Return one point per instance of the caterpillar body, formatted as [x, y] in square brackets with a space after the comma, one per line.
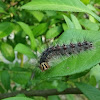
[62, 50]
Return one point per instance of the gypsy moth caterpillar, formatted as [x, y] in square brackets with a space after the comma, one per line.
[64, 50]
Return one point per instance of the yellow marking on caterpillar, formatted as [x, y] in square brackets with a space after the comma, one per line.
[44, 66]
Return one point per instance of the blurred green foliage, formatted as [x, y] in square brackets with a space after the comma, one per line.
[28, 27]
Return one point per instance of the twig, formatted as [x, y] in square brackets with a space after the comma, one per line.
[41, 92]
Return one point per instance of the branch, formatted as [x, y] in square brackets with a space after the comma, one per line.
[41, 92]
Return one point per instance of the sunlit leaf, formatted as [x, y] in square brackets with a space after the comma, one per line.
[68, 22]
[91, 7]
[76, 22]
[65, 27]
[95, 71]
[38, 15]
[24, 50]
[28, 31]
[59, 5]
[53, 32]
[40, 29]
[75, 63]
[18, 98]
[7, 51]
[86, 1]
[89, 25]
[6, 28]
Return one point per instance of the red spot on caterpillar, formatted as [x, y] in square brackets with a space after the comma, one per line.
[72, 45]
[62, 50]
[79, 44]
[64, 47]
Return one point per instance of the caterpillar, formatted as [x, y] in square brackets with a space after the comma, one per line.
[62, 50]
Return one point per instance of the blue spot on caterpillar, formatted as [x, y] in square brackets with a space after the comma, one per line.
[62, 50]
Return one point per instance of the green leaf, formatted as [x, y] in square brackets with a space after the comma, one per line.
[79, 62]
[95, 71]
[53, 97]
[3, 64]
[89, 91]
[75, 76]
[62, 86]
[38, 15]
[97, 1]
[92, 19]
[92, 81]
[2, 10]
[7, 51]
[59, 5]
[91, 7]
[20, 95]
[24, 50]
[40, 29]
[45, 85]
[65, 27]
[76, 22]
[6, 28]
[18, 98]
[51, 13]
[2, 4]
[89, 25]
[28, 31]
[5, 79]
[69, 22]
[53, 32]
[21, 77]
[86, 1]
[70, 97]
[1, 89]
[39, 98]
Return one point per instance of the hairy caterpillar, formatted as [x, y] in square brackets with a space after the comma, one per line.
[62, 50]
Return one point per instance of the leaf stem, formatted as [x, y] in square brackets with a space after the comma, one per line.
[21, 64]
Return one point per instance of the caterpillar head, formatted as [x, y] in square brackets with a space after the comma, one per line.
[44, 66]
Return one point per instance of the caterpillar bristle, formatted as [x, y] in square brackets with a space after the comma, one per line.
[64, 50]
